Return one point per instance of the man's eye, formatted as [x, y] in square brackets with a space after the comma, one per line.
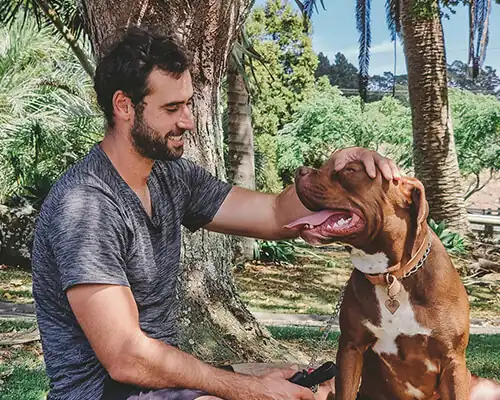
[172, 109]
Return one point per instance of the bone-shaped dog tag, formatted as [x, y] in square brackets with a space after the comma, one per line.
[392, 305]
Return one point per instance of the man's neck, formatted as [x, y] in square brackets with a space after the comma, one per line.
[132, 167]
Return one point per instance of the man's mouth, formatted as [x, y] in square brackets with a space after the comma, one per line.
[330, 223]
[178, 139]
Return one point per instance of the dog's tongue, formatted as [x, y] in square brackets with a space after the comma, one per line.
[313, 219]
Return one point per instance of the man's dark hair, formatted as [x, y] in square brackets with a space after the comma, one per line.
[128, 63]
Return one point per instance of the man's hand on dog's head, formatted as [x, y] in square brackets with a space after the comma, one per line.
[370, 159]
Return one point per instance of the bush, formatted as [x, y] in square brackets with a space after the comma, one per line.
[281, 251]
[452, 241]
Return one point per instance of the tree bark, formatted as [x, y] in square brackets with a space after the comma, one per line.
[240, 147]
[217, 326]
[434, 153]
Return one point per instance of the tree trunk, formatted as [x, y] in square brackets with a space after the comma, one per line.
[217, 326]
[240, 147]
[434, 153]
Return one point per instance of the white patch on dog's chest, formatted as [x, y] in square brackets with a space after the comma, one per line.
[369, 263]
[402, 322]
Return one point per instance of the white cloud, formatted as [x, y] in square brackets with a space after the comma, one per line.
[385, 47]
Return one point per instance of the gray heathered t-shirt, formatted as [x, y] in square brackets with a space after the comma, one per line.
[92, 228]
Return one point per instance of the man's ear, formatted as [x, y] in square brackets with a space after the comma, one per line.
[414, 192]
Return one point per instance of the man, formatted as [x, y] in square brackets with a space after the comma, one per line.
[107, 242]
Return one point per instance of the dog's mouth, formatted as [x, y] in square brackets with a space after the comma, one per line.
[333, 223]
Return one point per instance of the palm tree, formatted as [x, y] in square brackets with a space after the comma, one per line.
[62, 16]
[47, 116]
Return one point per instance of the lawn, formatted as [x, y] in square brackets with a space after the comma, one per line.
[310, 285]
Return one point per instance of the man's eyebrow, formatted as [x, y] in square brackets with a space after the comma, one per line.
[176, 103]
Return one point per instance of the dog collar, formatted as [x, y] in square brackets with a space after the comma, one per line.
[396, 272]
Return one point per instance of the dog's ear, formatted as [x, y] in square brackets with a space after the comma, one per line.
[414, 192]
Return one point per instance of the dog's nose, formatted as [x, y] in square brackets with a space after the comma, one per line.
[303, 171]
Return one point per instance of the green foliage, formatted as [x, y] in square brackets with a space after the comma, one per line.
[477, 130]
[284, 81]
[329, 121]
[48, 116]
[281, 251]
[452, 241]
[340, 73]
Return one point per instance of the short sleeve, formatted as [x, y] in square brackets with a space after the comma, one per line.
[207, 193]
[88, 238]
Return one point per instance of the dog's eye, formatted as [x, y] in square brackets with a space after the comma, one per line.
[349, 169]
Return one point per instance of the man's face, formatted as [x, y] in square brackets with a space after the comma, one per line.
[163, 116]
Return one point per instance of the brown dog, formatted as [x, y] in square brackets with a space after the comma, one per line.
[404, 320]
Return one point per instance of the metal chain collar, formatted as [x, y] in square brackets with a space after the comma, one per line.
[420, 262]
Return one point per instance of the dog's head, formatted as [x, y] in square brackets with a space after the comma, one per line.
[355, 209]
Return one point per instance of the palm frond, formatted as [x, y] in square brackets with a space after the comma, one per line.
[363, 8]
[307, 8]
[479, 12]
[393, 18]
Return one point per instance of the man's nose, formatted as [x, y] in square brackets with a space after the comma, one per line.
[303, 171]
[186, 122]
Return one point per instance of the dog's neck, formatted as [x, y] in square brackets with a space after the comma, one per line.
[394, 253]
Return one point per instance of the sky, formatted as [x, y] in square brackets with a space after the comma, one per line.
[334, 30]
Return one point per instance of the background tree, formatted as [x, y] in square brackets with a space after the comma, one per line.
[477, 135]
[240, 153]
[487, 81]
[276, 32]
[60, 16]
[47, 115]
[341, 72]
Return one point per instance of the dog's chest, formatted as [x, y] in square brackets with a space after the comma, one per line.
[393, 325]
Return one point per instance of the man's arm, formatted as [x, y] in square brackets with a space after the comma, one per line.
[259, 215]
[262, 216]
[109, 318]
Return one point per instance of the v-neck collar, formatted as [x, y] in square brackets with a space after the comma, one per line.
[152, 186]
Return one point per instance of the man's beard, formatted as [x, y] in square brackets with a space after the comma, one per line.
[152, 144]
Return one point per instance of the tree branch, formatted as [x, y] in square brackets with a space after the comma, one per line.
[478, 186]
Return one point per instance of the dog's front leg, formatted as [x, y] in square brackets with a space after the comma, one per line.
[350, 366]
[454, 382]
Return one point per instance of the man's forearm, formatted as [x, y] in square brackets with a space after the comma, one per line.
[288, 208]
[153, 364]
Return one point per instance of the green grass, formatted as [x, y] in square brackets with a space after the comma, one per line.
[15, 325]
[483, 356]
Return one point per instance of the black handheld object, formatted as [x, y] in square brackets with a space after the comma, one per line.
[322, 374]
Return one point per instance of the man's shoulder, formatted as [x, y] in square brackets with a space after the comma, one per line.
[84, 181]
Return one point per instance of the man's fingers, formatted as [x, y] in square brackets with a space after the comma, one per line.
[396, 173]
[369, 164]
[306, 394]
[385, 168]
[283, 373]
